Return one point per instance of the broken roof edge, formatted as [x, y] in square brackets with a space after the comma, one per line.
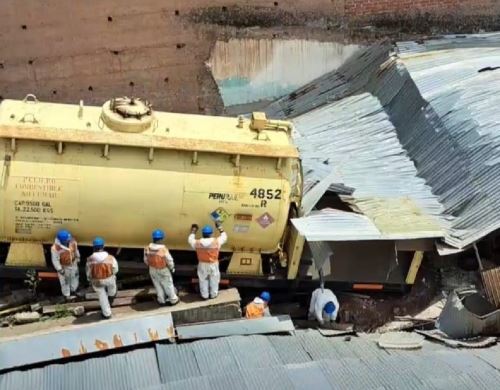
[337, 225]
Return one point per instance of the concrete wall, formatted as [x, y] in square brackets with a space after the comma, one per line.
[250, 70]
[65, 51]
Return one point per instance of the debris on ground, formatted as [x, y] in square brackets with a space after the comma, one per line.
[13, 310]
[78, 311]
[368, 313]
[26, 317]
[15, 298]
[468, 314]
[336, 333]
[426, 317]
[475, 342]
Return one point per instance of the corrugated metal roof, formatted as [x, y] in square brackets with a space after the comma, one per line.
[176, 363]
[304, 361]
[337, 225]
[355, 140]
[16, 352]
[307, 376]
[348, 79]
[427, 136]
[132, 370]
[265, 325]
[454, 139]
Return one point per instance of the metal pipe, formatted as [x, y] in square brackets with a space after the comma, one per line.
[476, 251]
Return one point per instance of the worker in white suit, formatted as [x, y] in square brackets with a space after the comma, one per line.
[161, 266]
[101, 272]
[65, 258]
[207, 250]
[324, 306]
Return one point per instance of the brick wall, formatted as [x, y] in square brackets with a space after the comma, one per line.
[64, 51]
[372, 8]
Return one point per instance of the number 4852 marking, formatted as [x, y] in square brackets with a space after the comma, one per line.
[262, 193]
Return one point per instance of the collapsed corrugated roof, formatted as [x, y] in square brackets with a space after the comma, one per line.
[355, 138]
[430, 140]
[459, 154]
[337, 225]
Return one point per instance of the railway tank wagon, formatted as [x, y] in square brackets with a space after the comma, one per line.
[122, 170]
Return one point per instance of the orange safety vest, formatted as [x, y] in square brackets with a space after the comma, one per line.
[208, 254]
[254, 310]
[66, 256]
[157, 258]
[101, 270]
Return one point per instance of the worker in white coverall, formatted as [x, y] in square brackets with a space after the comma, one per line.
[65, 258]
[207, 250]
[324, 306]
[101, 272]
[161, 267]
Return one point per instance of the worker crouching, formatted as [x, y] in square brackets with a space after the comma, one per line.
[324, 306]
[161, 267]
[259, 307]
[207, 250]
[65, 258]
[101, 272]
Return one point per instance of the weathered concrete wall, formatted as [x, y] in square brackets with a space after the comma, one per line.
[65, 51]
[250, 70]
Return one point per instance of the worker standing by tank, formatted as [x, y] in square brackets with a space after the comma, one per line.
[161, 267]
[101, 273]
[324, 305]
[65, 258]
[207, 250]
[259, 307]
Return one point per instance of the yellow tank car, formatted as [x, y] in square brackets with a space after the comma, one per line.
[122, 170]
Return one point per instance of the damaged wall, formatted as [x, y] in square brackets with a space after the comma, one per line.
[66, 51]
[249, 70]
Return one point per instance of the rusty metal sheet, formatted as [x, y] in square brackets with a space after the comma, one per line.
[80, 340]
[491, 281]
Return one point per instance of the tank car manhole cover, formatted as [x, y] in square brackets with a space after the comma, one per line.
[265, 220]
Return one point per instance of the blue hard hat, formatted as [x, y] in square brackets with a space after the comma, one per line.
[63, 236]
[207, 230]
[158, 234]
[98, 242]
[329, 308]
[265, 296]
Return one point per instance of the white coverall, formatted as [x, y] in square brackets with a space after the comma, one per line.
[70, 276]
[103, 287]
[319, 299]
[162, 278]
[208, 273]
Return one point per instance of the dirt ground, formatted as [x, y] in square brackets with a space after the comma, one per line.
[370, 312]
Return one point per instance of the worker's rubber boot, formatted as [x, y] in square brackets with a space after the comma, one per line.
[111, 300]
[105, 317]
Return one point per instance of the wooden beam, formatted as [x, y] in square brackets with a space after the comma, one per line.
[414, 267]
[88, 305]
